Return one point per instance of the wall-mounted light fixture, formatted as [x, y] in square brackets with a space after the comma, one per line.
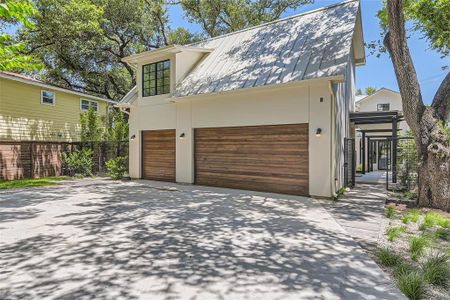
[318, 131]
[182, 136]
[132, 137]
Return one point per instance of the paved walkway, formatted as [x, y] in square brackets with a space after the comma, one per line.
[360, 212]
[98, 239]
[374, 177]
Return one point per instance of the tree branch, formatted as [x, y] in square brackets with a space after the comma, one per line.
[441, 101]
[396, 44]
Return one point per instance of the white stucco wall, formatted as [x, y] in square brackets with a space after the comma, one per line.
[259, 106]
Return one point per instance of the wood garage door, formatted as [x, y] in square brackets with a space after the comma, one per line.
[158, 155]
[260, 158]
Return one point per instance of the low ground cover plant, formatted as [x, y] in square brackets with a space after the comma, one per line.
[22, 183]
[415, 251]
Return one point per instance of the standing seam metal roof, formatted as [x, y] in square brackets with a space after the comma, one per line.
[310, 45]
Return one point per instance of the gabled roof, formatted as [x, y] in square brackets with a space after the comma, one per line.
[36, 82]
[129, 98]
[365, 97]
[315, 44]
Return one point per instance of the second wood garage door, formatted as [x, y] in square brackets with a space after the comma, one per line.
[158, 155]
[261, 158]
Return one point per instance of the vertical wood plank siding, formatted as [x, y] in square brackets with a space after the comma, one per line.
[270, 158]
[158, 155]
[30, 159]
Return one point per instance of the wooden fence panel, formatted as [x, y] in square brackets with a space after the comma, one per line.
[30, 159]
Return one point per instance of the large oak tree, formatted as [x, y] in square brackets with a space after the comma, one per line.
[427, 123]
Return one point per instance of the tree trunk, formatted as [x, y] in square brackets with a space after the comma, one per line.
[433, 146]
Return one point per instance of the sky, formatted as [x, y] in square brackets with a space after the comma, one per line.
[378, 72]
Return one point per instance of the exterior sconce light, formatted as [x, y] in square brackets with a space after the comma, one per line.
[318, 131]
[182, 136]
[133, 137]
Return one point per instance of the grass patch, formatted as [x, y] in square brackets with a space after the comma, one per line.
[432, 219]
[388, 258]
[395, 232]
[411, 216]
[411, 283]
[21, 183]
[436, 270]
[442, 233]
[417, 246]
[390, 211]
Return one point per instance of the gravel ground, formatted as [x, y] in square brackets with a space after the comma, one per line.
[401, 246]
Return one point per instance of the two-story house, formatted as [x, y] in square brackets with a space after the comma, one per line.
[383, 100]
[265, 108]
[31, 110]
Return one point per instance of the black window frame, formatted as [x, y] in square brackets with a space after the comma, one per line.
[161, 81]
[381, 105]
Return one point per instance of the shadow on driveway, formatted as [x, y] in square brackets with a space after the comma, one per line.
[130, 240]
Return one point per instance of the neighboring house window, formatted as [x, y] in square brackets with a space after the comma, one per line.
[86, 104]
[383, 107]
[156, 78]
[47, 97]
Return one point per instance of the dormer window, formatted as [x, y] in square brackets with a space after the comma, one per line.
[383, 107]
[156, 78]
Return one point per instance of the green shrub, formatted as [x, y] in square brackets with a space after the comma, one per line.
[79, 162]
[116, 168]
[435, 269]
[395, 232]
[417, 246]
[411, 284]
[411, 216]
[390, 211]
[387, 257]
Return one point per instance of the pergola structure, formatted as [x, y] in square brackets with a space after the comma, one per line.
[378, 117]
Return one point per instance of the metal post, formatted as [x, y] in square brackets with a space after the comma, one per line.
[394, 150]
[363, 153]
[369, 155]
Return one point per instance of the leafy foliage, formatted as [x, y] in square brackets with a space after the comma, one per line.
[217, 17]
[79, 162]
[82, 42]
[12, 56]
[116, 168]
[431, 17]
[91, 126]
[370, 90]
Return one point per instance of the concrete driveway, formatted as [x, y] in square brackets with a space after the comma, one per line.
[100, 239]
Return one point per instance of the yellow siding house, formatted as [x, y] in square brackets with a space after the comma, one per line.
[31, 110]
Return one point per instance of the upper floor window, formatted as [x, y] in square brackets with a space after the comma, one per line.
[86, 104]
[47, 97]
[383, 107]
[156, 78]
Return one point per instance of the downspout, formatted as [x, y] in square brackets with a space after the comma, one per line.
[333, 148]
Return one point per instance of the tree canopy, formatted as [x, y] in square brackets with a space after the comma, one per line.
[15, 13]
[81, 42]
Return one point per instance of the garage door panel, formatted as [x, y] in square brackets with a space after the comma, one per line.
[158, 155]
[270, 158]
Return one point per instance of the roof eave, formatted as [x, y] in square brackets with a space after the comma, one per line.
[52, 87]
[134, 59]
[335, 78]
